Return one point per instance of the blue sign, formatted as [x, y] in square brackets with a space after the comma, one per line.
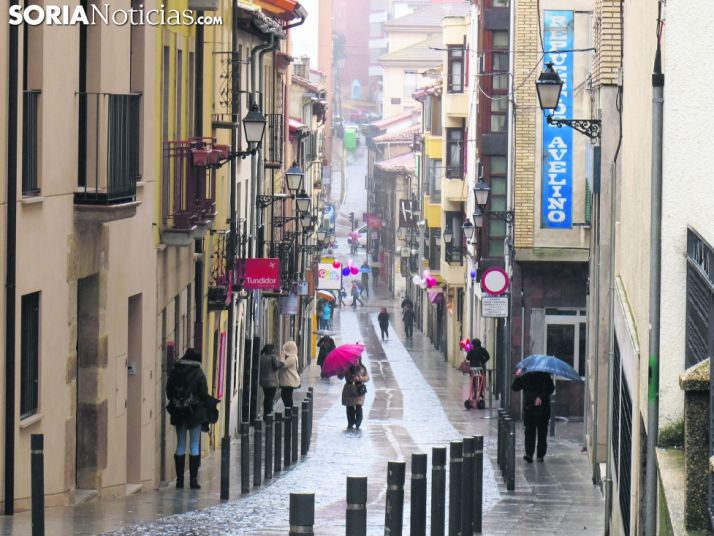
[557, 190]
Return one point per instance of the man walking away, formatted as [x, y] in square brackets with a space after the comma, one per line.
[537, 388]
[408, 318]
[383, 319]
[356, 296]
[365, 276]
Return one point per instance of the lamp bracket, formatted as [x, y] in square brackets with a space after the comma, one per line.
[264, 201]
[508, 216]
[589, 127]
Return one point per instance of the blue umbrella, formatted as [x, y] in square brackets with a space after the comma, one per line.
[549, 364]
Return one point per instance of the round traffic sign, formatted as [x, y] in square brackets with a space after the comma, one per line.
[494, 281]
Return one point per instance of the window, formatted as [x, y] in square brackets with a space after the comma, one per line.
[455, 76]
[30, 355]
[500, 65]
[501, 3]
[179, 94]
[563, 339]
[433, 180]
[453, 254]
[454, 153]
[433, 115]
[495, 169]
[500, 39]
[434, 249]
[499, 107]
[410, 83]
[699, 334]
[191, 91]
[375, 29]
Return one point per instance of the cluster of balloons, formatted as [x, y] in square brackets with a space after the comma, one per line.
[425, 281]
[465, 345]
[350, 269]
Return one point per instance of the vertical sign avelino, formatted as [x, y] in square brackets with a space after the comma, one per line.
[557, 197]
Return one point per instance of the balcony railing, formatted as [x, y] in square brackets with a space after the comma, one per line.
[188, 191]
[109, 137]
[284, 250]
[454, 254]
[30, 146]
[219, 282]
[273, 141]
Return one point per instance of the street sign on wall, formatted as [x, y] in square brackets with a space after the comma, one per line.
[261, 274]
[494, 306]
[494, 281]
[328, 277]
[407, 216]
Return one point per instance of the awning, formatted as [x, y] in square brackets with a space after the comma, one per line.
[296, 124]
[282, 9]
[247, 5]
[399, 164]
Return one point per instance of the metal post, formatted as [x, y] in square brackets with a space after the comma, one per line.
[304, 425]
[394, 511]
[287, 437]
[295, 426]
[257, 452]
[478, 484]
[438, 490]
[278, 442]
[310, 398]
[467, 487]
[302, 514]
[37, 458]
[499, 450]
[511, 473]
[244, 458]
[356, 515]
[268, 447]
[417, 525]
[456, 462]
[654, 295]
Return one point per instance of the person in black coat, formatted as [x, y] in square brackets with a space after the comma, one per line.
[383, 319]
[326, 344]
[187, 392]
[408, 317]
[478, 355]
[537, 388]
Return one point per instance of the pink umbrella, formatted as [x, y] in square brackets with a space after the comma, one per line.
[339, 360]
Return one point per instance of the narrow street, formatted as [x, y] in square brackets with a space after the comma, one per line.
[414, 402]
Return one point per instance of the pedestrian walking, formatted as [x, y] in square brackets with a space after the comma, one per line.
[537, 388]
[288, 376]
[320, 319]
[269, 367]
[383, 319]
[406, 302]
[326, 316]
[408, 317]
[353, 393]
[325, 345]
[187, 393]
[343, 295]
[356, 296]
[365, 276]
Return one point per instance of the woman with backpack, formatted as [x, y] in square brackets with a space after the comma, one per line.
[187, 392]
[288, 375]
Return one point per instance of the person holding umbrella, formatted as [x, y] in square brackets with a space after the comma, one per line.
[537, 388]
[364, 269]
[353, 393]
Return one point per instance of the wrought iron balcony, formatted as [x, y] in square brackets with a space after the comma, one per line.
[219, 281]
[30, 146]
[188, 189]
[273, 141]
[108, 156]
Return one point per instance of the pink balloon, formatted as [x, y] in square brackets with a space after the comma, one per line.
[426, 274]
[430, 282]
[336, 264]
[354, 270]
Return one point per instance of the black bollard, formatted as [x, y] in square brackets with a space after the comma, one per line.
[287, 437]
[244, 458]
[478, 483]
[499, 450]
[455, 467]
[467, 487]
[302, 514]
[394, 512]
[356, 517]
[257, 452]
[438, 490]
[37, 467]
[278, 424]
[511, 479]
[417, 517]
[305, 416]
[295, 427]
[268, 446]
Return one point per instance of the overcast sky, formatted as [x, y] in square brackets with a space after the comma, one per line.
[304, 37]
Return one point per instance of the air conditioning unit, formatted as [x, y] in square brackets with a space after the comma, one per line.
[203, 5]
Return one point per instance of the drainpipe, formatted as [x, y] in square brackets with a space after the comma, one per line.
[10, 267]
[655, 289]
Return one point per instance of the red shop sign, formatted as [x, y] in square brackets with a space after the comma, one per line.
[261, 274]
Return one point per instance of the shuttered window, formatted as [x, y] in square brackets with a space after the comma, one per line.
[29, 355]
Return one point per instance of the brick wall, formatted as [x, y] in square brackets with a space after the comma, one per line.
[607, 42]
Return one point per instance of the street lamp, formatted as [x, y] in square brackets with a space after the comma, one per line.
[548, 87]
[305, 220]
[448, 236]
[254, 125]
[481, 191]
[321, 234]
[468, 229]
[293, 177]
[303, 202]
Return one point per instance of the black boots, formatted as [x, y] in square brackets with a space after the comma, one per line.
[194, 462]
[180, 462]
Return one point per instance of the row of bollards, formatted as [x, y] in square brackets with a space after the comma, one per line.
[281, 444]
[465, 496]
[506, 457]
